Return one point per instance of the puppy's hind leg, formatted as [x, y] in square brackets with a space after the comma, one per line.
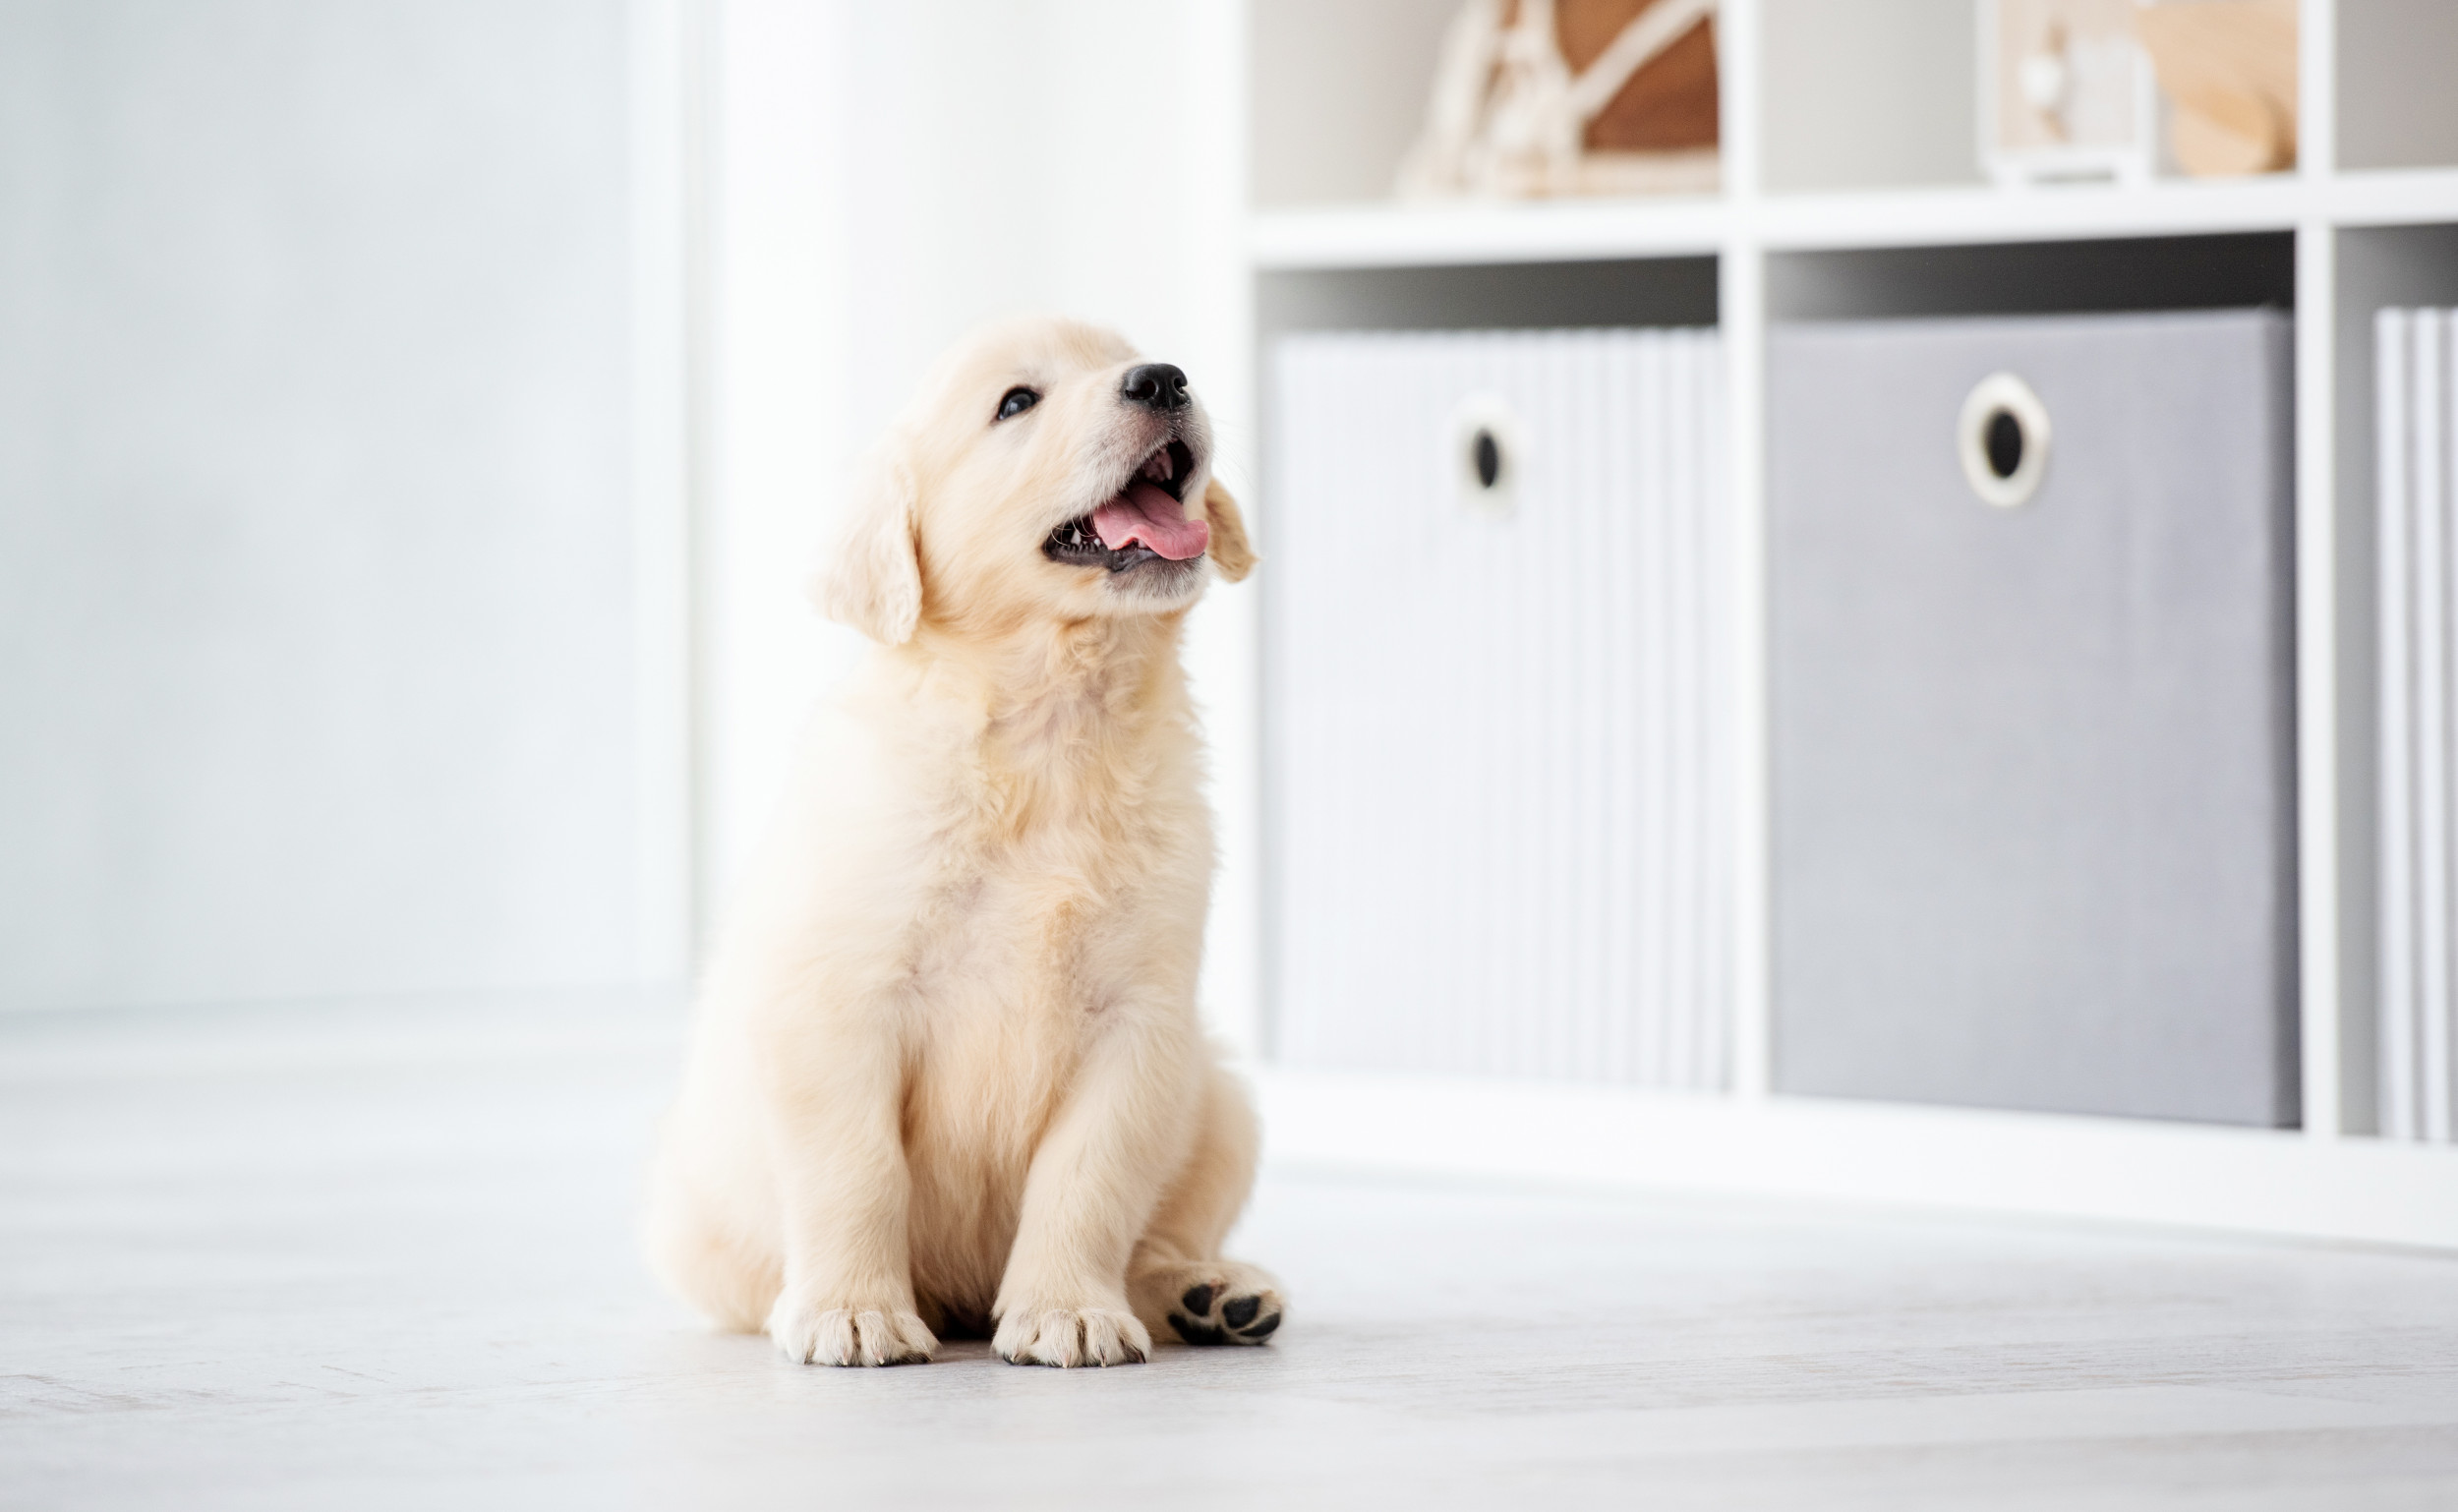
[1177, 1282]
[733, 1280]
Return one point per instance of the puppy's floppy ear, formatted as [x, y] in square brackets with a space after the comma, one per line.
[871, 578]
[1232, 557]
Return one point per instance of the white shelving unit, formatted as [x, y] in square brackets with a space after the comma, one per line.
[1847, 135]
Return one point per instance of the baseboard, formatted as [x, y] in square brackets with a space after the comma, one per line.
[2254, 1181]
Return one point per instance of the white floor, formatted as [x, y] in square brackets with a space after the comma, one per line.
[379, 1256]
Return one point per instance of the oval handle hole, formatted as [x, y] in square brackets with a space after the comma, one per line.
[2005, 443]
[2002, 438]
[1487, 451]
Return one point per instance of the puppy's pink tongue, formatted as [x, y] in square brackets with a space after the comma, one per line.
[1145, 515]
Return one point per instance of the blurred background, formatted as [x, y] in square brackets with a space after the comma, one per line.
[416, 422]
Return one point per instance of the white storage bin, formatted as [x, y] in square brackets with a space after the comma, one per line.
[1498, 696]
[2415, 399]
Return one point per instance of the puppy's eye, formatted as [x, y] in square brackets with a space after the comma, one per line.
[1017, 402]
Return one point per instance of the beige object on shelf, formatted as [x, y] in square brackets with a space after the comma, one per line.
[2229, 70]
[1515, 111]
[2066, 93]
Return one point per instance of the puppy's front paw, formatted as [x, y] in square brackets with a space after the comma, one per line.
[855, 1333]
[1212, 1302]
[1068, 1337]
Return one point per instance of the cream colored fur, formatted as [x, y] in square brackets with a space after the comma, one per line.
[947, 1070]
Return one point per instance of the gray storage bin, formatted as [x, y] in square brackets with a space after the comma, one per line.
[2033, 761]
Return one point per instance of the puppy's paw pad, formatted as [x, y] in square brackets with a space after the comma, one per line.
[1247, 1329]
[1068, 1337]
[1218, 1301]
[850, 1335]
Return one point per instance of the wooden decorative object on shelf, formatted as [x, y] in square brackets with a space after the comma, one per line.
[1572, 98]
[2228, 68]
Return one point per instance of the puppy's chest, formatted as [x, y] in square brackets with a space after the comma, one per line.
[1022, 937]
[1064, 888]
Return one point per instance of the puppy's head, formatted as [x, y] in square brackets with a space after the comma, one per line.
[1044, 472]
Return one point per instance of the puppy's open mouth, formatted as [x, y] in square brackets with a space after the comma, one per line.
[1145, 523]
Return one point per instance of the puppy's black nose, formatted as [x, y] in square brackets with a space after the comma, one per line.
[1157, 385]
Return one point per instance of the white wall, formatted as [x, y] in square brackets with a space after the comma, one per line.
[887, 177]
[1342, 87]
[317, 502]
[1868, 93]
[341, 443]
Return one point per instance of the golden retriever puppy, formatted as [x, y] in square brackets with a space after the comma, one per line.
[948, 1075]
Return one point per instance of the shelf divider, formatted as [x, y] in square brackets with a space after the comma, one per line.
[2318, 733]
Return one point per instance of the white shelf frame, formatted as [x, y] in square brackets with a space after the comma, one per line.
[2315, 1180]
[1432, 236]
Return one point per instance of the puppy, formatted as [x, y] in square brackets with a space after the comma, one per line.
[948, 1076]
